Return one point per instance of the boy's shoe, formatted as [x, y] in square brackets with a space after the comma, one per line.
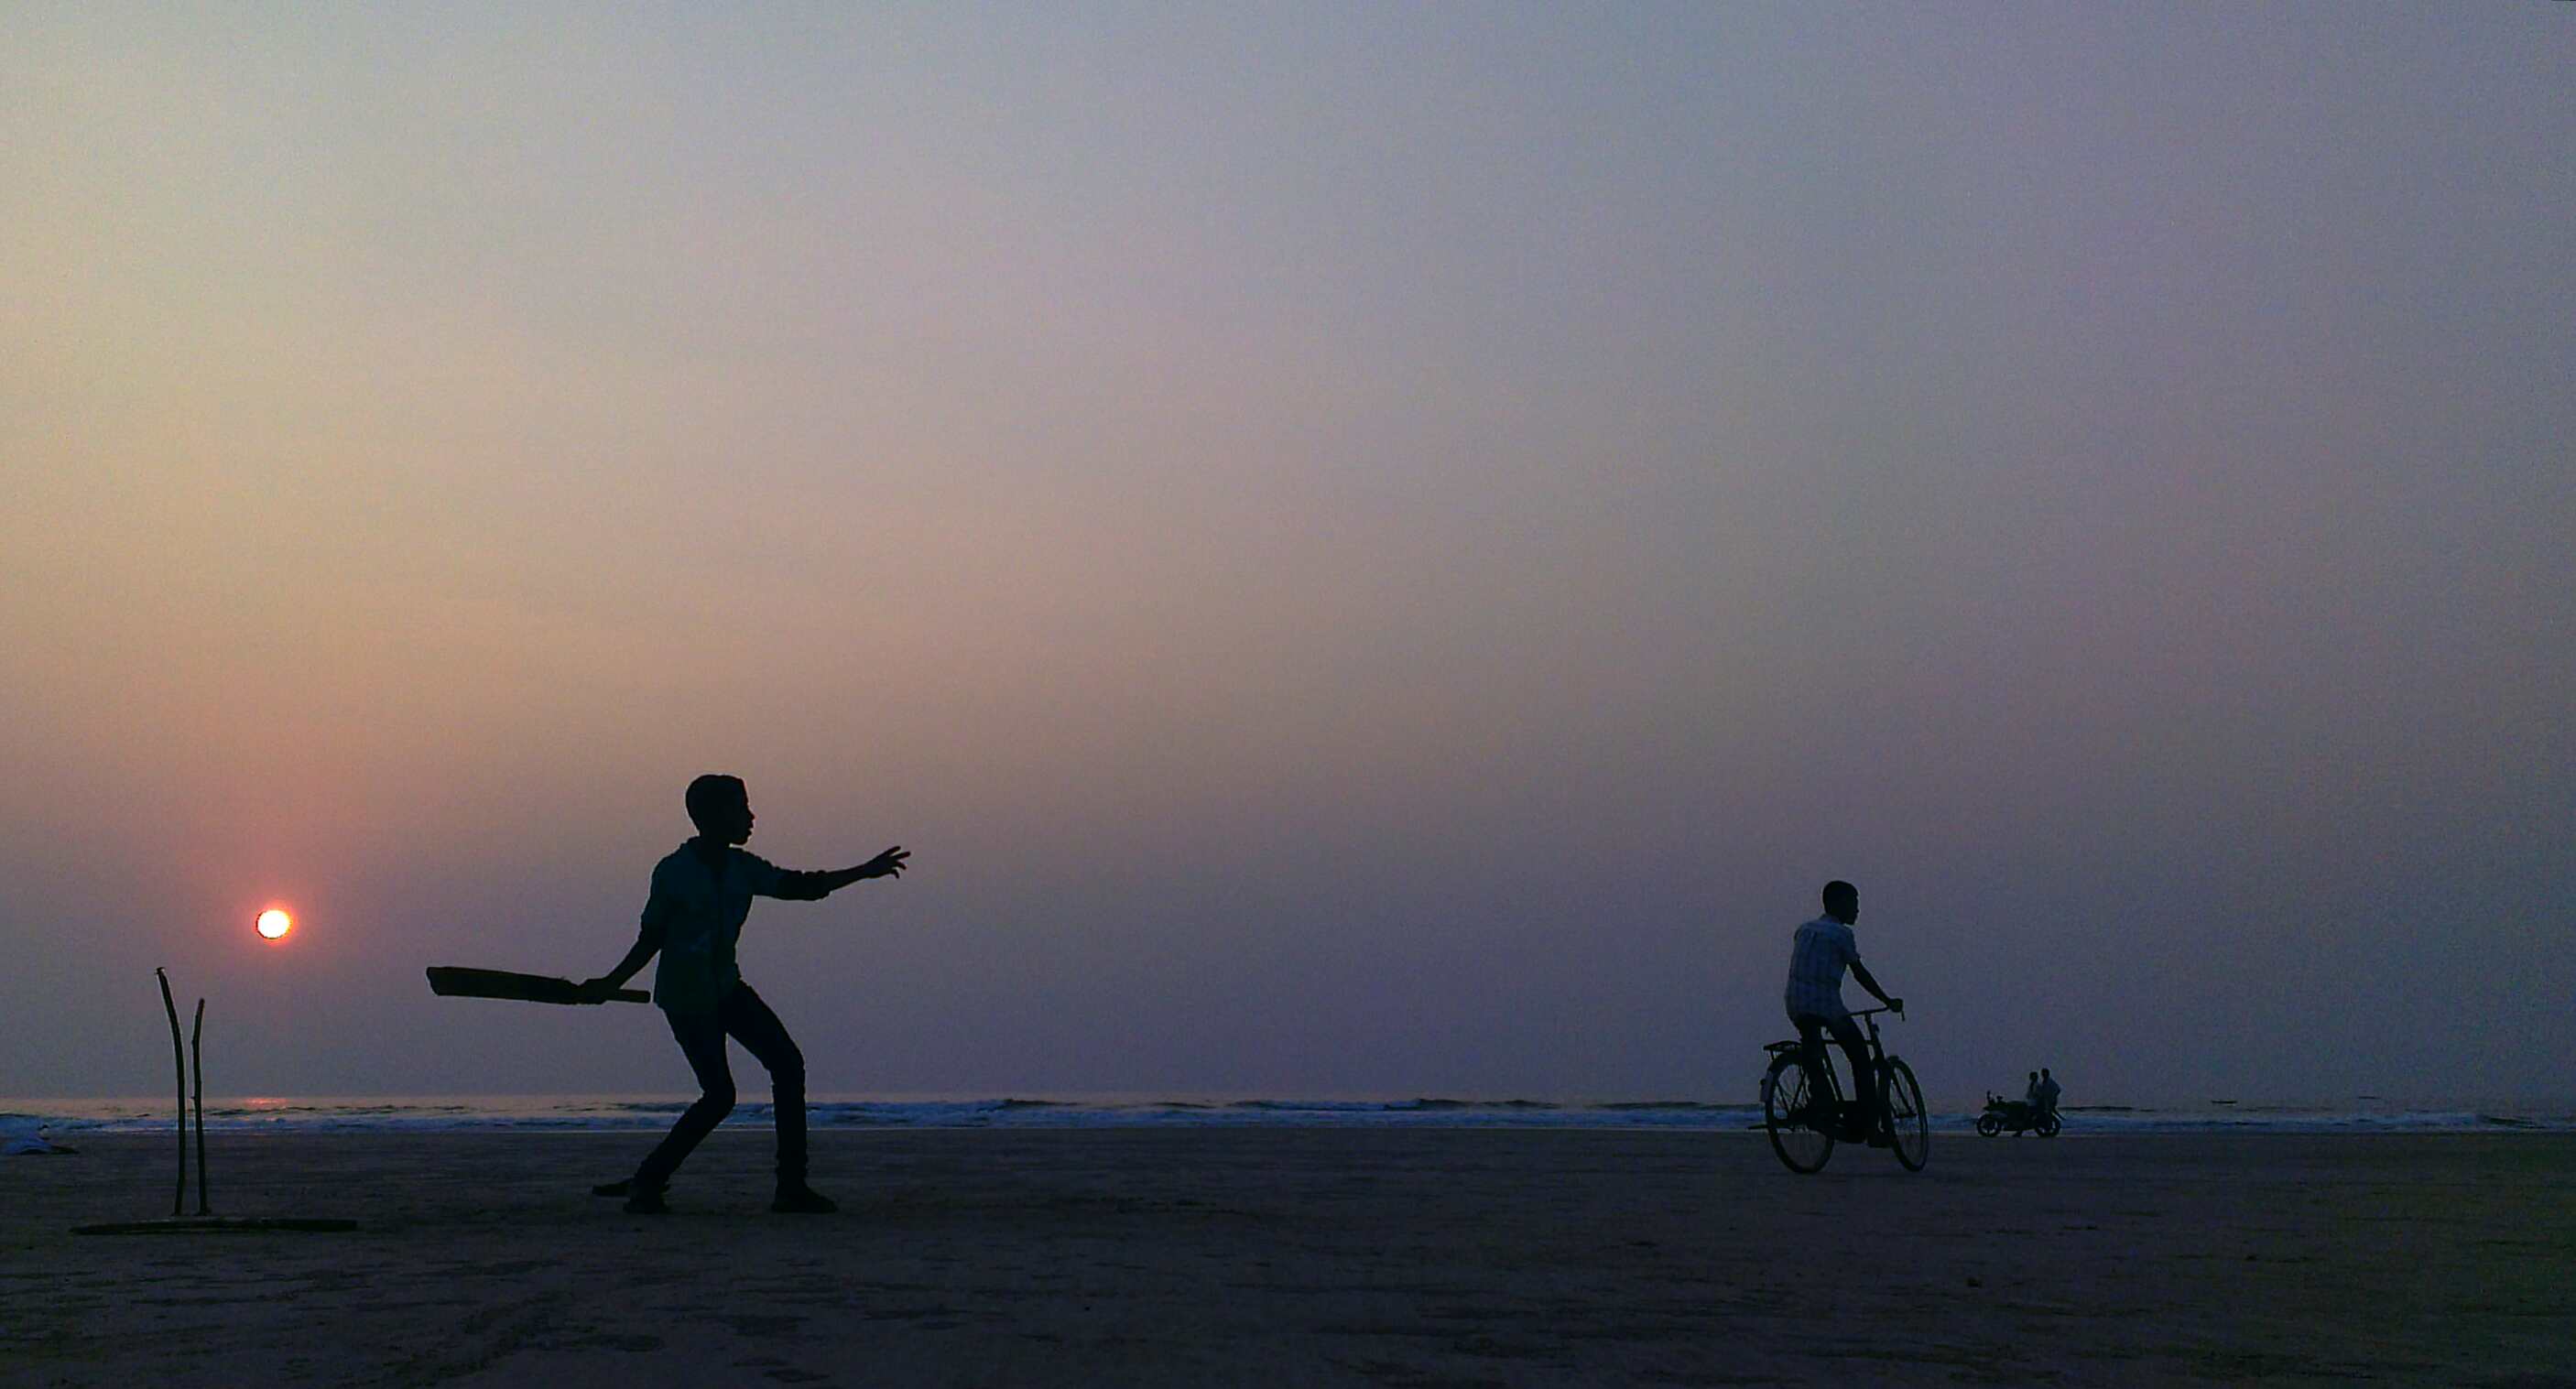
[646, 1201]
[801, 1199]
[614, 1188]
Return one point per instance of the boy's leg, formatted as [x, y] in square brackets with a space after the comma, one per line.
[702, 1040]
[1811, 1033]
[748, 1019]
[1864, 1083]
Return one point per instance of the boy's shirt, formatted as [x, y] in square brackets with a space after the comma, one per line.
[1824, 947]
[698, 912]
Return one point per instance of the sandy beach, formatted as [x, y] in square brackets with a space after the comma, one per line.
[1308, 1257]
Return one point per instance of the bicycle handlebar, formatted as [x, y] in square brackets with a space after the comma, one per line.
[1865, 1012]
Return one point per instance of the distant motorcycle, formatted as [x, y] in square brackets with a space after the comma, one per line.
[2017, 1117]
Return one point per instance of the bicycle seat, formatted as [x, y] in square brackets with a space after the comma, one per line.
[1775, 1048]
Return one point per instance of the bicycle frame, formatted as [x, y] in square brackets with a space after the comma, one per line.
[1820, 1055]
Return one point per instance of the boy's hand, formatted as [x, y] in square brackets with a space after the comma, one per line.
[886, 865]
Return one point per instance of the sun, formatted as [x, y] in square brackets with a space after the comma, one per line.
[275, 923]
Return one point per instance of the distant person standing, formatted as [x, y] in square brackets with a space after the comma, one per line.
[2030, 1094]
[2047, 1092]
[1823, 949]
[701, 894]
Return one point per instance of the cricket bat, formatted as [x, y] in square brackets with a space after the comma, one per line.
[451, 982]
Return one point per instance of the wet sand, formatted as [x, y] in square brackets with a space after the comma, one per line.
[1308, 1257]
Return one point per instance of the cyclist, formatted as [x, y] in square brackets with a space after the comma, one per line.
[1815, 997]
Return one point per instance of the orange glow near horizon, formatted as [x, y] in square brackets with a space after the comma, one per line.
[275, 923]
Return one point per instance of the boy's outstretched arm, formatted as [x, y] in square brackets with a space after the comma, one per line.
[796, 886]
[1860, 972]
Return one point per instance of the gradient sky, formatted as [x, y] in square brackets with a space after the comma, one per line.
[1366, 549]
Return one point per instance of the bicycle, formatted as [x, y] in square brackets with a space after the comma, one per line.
[1803, 1108]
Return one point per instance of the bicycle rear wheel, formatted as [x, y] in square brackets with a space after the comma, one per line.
[1800, 1114]
[1911, 1127]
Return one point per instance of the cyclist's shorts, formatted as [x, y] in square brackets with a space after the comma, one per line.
[1827, 1021]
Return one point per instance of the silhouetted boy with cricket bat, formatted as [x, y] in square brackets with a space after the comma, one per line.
[701, 894]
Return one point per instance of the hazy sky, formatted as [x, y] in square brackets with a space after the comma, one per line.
[1365, 549]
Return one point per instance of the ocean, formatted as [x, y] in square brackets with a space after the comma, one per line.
[66, 1119]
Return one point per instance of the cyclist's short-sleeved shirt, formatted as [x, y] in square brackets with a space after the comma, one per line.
[699, 912]
[1816, 963]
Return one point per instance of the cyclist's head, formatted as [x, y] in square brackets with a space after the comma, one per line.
[1842, 901]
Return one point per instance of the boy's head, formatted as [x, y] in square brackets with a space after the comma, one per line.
[2044, 1075]
[1842, 901]
[720, 807]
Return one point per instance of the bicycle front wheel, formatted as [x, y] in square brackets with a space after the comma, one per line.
[1911, 1127]
[1800, 1113]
